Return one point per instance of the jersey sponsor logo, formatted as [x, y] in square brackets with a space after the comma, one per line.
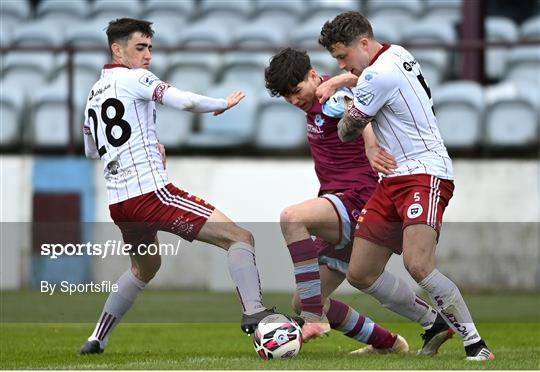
[319, 120]
[409, 65]
[148, 79]
[364, 97]
[97, 92]
[414, 211]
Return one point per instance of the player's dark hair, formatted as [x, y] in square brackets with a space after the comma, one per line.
[345, 28]
[287, 69]
[120, 30]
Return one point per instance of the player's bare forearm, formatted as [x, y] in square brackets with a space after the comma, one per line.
[349, 128]
[326, 89]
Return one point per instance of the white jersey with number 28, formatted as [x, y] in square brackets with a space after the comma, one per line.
[393, 91]
[120, 128]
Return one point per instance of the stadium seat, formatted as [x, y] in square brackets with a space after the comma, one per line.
[323, 63]
[524, 64]
[307, 34]
[232, 12]
[195, 71]
[233, 128]
[63, 13]
[280, 126]
[459, 107]
[174, 13]
[512, 115]
[257, 35]
[434, 62]
[173, 126]
[496, 58]
[17, 10]
[87, 69]
[49, 124]
[159, 64]
[87, 35]
[11, 104]
[37, 33]
[205, 34]
[401, 12]
[110, 10]
[247, 68]
[447, 10]
[280, 14]
[530, 29]
[385, 30]
[330, 8]
[27, 70]
[6, 29]
[164, 35]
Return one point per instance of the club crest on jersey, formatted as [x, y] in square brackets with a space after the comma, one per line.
[318, 120]
[414, 211]
[148, 79]
[364, 97]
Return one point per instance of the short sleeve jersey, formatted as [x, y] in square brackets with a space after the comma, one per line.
[339, 166]
[120, 115]
[393, 91]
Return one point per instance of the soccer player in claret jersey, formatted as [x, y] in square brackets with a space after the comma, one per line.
[120, 128]
[404, 215]
[346, 183]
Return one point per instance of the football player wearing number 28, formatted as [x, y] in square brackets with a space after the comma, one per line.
[120, 129]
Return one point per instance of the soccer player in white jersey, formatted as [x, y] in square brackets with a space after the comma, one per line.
[120, 128]
[404, 215]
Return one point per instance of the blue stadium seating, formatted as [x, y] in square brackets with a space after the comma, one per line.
[280, 125]
[233, 128]
[459, 107]
[512, 115]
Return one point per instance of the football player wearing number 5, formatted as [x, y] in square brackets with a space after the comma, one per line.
[404, 215]
[120, 129]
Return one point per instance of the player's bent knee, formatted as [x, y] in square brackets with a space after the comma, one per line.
[289, 216]
[418, 270]
[360, 281]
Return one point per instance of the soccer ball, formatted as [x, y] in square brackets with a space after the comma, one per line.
[277, 336]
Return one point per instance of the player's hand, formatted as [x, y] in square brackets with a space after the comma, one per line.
[380, 160]
[232, 100]
[163, 155]
[325, 90]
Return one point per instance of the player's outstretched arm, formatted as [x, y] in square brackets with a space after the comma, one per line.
[327, 88]
[380, 160]
[192, 102]
[352, 123]
[232, 100]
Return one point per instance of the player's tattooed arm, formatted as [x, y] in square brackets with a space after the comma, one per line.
[352, 123]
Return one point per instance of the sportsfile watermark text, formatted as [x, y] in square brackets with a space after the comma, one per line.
[109, 248]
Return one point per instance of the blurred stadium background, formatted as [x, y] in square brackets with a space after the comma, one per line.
[480, 57]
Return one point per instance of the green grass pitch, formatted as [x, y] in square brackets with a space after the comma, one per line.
[200, 330]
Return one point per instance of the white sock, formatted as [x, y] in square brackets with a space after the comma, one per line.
[451, 305]
[117, 304]
[394, 294]
[244, 273]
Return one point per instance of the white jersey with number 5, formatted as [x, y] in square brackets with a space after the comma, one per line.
[120, 128]
[393, 91]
